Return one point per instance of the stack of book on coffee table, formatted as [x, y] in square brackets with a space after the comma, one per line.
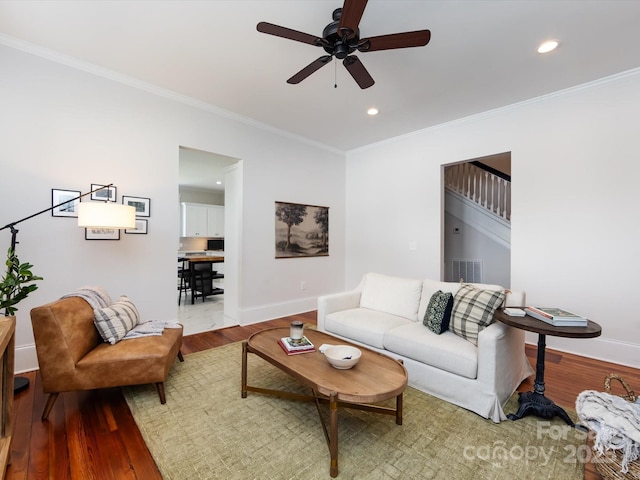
[293, 347]
[557, 317]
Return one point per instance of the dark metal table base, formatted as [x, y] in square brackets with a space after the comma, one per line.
[535, 403]
[532, 403]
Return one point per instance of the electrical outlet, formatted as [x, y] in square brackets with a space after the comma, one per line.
[303, 285]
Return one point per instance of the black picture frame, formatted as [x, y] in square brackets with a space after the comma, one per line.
[141, 204]
[101, 234]
[142, 227]
[106, 194]
[62, 207]
[301, 230]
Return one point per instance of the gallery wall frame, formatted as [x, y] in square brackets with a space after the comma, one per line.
[106, 194]
[101, 234]
[301, 230]
[65, 202]
[141, 204]
[142, 227]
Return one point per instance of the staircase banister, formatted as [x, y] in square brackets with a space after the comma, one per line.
[491, 170]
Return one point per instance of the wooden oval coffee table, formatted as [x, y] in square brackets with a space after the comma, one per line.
[375, 378]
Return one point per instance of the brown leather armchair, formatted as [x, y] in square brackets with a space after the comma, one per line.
[72, 355]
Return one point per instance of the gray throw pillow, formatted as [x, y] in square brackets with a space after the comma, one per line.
[438, 313]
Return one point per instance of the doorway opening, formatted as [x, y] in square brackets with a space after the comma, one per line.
[477, 220]
[209, 186]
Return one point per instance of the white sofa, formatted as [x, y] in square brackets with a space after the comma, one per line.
[385, 313]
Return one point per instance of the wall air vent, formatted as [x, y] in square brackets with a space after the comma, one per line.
[468, 270]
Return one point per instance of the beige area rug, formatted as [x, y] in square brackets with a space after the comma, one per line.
[207, 431]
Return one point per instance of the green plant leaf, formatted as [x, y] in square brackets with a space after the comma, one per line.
[17, 284]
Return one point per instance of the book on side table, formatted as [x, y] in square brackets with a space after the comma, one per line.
[557, 317]
[290, 347]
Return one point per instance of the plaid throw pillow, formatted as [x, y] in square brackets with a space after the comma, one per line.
[113, 322]
[438, 313]
[473, 310]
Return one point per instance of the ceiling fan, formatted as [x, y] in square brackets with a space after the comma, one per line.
[342, 37]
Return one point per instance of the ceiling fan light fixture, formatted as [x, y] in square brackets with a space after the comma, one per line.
[341, 38]
[548, 46]
[373, 111]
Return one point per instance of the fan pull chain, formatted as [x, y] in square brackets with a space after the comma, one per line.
[335, 74]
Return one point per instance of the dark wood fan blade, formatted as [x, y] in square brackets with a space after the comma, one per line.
[352, 11]
[278, 31]
[396, 40]
[309, 69]
[355, 67]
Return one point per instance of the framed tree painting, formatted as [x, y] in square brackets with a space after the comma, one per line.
[301, 230]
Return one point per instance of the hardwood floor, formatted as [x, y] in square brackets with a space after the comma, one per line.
[92, 435]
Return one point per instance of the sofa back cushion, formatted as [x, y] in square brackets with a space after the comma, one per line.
[395, 295]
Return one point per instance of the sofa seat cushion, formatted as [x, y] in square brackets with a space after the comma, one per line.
[447, 351]
[394, 295]
[363, 325]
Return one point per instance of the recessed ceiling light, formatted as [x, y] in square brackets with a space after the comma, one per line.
[372, 111]
[218, 182]
[548, 46]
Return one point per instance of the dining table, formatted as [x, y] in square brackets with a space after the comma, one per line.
[199, 260]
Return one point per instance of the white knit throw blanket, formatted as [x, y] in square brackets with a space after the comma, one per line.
[615, 421]
[150, 328]
[97, 297]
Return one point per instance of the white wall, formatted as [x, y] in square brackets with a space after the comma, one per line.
[62, 127]
[575, 225]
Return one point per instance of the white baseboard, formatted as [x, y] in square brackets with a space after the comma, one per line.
[26, 359]
[249, 316]
[600, 348]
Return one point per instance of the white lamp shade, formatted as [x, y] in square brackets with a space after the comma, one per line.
[106, 215]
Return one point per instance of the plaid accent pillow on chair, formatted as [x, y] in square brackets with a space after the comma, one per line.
[473, 310]
[113, 322]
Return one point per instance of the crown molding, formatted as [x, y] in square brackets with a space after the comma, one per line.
[114, 76]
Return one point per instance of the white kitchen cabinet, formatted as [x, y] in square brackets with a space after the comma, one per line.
[215, 221]
[202, 220]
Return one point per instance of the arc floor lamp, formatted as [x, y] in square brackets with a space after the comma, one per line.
[106, 214]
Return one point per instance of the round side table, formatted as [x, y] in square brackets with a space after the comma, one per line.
[535, 403]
